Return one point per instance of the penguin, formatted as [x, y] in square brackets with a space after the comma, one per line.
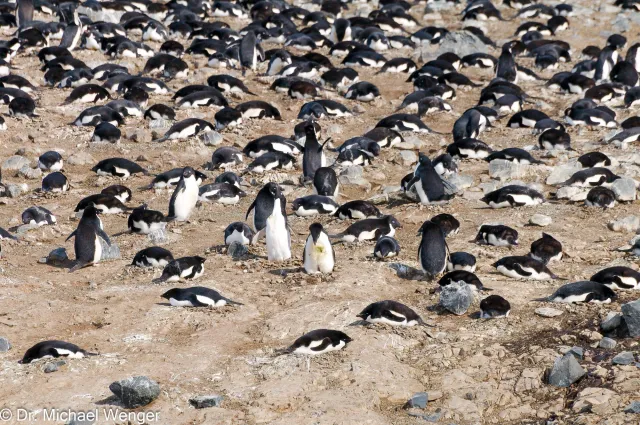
[154, 256]
[106, 132]
[594, 160]
[600, 197]
[121, 193]
[271, 161]
[55, 182]
[399, 65]
[391, 313]
[522, 267]
[185, 129]
[318, 341]
[479, 60]
[279, 60]
[160, 111]
[355, 156]
[185, 196]
[363, 92]
[258, 109]
[38, 216]
[590, 117]
[182, 268]
[225, 157]
[311, 205]
[87, 93]
[197, 296]
[386, 247]
[465, 276]
[527, 118]
[278, 235]
[513, 196]
[271, 143]
[497, 235]
[118, 167]
[227, 83]
[364, 58]
[583, 292]
[136, 95]
[238, 232]
[227, 117]
[325, 182]
[461, 261]
[385, 137]
[105, 204]
[210, 97]
[555, 139]
[17, 82]
[433, 252]
[626, 136]
[369, 229]
[4, 235]
[546, 249]
[318, 253]
[22, 107]
[590, 177]
[339, 77]
[53, 348]
[223, 193]
[249, 52]
[469, 126]
[515, 155]
[427, 183]
[169, 179]
[145, 221]
[264, 206]
[468, 148]
[357, 210]
[50, 161]
[87, 244]
[24, 13]
[449, 224]
[506, 66]
[494, 307]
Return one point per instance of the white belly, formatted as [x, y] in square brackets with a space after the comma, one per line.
[309, 351]
[318, 257]
[278, 238]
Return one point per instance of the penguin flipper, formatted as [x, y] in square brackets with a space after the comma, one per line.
[514, 203]
[520, 271]
[251, 207]
[104, 236]
[71, 235]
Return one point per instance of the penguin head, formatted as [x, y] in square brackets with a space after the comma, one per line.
[393, 222]
[374, 148]
[315, 229]
[274, 190]
[424, 159]
[171, 293]
[201, 260]
[428, 225]
[310, 129]
[91, 211]
[187, 172]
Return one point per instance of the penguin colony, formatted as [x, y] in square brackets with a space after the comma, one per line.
[318, 55]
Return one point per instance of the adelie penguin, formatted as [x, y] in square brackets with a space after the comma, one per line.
[160, 111]
[263, 207]
[369, 228]
[582, 292]
[278, 235]
[87, 244]
[522, 267]
[494, 307]
[118, 167]
[427, 183]
[197, 296]
[225, 157]
[590, 177]
[325, 182]
[433, 251]
[516, 155]
[449, 224]
[461, 261]
[238, 232]
[144, 221]
[357, 210]
[311, 205]
[619, 277]
[105, 204]
[54, 349]
[22, 107]
[546, 249]
[106, 132]
[55, 182]
[223, 193]
[314, 157]
[38, 216]
[170, 179]
[600, 197]
[185, 129]
[182, 268]
[391, 313]
[386, 247]
[496, 235]
[513, 196]
[122, 193]
[185, 196]
[154, 256]
[318, 253]
[462, 276]
[317, 342]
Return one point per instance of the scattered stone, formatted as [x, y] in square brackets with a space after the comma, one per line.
[633, 407]
[158, 236]
[612, 321]
[14, 190]
[461, 43]
[572, 193]
[353, 171]
[458, 182]
[408, 158]
[80, 158]
[5, 345]
[502, 170]
[204, 401]
[540, 220]
[14, 163]
[620, 24]
[30, 173]
[566, 370]
[109, 252]
[138, 135]
[561, 174]
[57, 257]
[348, 180]
[576, 351]
[406, 272]
[410, 143]
[624, 189]
[628, 224]
[358, 109]
[418, 400]
[623, 358]
[334, 129]
[50, 368]
[429, 418]
[159, 123]
[631, 315]
[595, 400]
[237, 250]
[456, 297]
[211, 138]
[607, 343]
[135, 391]
[547, 312]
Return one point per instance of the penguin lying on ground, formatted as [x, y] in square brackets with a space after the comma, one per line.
[55, 349]
[197, 296]
[182, 268]
[391, 313]
[319, 341]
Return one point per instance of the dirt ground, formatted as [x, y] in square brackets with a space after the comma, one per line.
[475, 371]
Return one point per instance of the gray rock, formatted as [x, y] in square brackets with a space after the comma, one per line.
[57, 257]
[138, 135]
[456, 297]
[631, 315]
[410, 143]
[438, 6]
[572, 193]
[634, 407]
[80, 158]
[211, 138]
[159, 123]
[621, 24]
[14, 163]
[30, 173]
[50, 368]
[540, 220]
[334, 129]
[502, 170]
[435, 417]
[624, 189]
[204, 401]
[566, 370]
[407, 272]
[461, 43]
[236, 250]
[418, 400]
[5, 345]
[458, 182]
[353, 171]
[612, 321]
[135, 391]
[158, 236]
[14, 190]
[578, 352]
[623, 358]
[360, 182]
[547, 312]
[109, 252]
[628, 224]
[607, 343]
[561, 174]
[408, 158]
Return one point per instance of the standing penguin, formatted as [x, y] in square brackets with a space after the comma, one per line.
[263, 207]
[24, 12]
[318, 254]
[427, 183]
[433, 252]
[87, 245]
[277, 229]
[249, 52]
[185, 197]
[313, 153]
[506, 68]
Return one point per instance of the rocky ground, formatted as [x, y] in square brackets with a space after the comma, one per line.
[474, 371]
